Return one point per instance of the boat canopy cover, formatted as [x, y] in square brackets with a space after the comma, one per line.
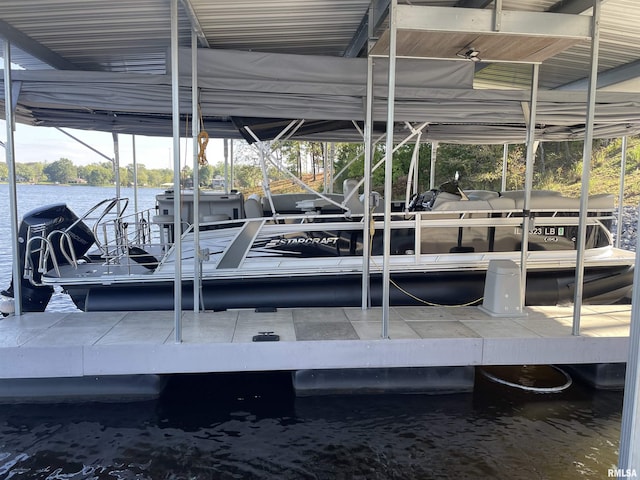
[265, 90]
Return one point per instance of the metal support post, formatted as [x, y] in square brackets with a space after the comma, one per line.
[368, 156]
[177, 196]
[11, 164]
[586, 167]
[116, 168]
[505, 157]
[623, 169]
[388, 170]
[195, 129]
[230, 164]
[526, 215]
[432, 171]
[226, 165]
[629, 456]
[135, 174]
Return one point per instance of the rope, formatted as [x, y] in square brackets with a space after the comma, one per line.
[559, 388]
[203, 139]
[392, 282]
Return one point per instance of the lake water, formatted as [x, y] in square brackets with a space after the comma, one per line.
[251, 426]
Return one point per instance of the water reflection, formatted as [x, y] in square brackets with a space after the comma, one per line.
[251, 426]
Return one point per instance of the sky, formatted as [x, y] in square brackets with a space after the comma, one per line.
[40, 144]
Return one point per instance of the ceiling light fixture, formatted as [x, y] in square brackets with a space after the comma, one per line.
[469, 53]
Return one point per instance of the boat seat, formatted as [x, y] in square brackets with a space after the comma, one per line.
[534, 193]
[602, 201]
[481, 194]
[354, 204]
[551, 200]
[253, 207]
[502, 203]
[447, 202]
[444, 197]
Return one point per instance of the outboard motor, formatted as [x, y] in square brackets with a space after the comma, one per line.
[40, 223]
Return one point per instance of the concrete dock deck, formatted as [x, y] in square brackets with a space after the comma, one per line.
[46, 345]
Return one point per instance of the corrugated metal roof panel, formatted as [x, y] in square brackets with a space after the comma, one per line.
[125, 35]
[319, 27]
[96, 35]
[619, 45]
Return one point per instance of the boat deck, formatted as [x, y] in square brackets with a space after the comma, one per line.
[46, 345]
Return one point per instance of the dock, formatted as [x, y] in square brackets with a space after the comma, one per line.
[57, 344]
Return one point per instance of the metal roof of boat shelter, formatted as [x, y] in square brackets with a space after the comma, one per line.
[132, 37]
[114, 54]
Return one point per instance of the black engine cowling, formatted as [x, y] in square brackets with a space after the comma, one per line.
[42, 221]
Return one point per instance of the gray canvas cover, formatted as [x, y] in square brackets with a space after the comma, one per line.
[275, 86]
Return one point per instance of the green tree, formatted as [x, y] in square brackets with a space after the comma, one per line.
[247, 176]
[25, 172]
[159, 176]
[61, 171]
[143, 175]
[32, 171]
[98, 174]
[206, 174]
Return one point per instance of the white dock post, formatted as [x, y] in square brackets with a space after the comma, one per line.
[629, 458]
[177, 226]
[11, 163]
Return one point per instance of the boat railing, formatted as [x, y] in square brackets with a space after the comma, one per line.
[449, 218]
[138, 239]
[45, 251]
[490, 217]
[134, 237]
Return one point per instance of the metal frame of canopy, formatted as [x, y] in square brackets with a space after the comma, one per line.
[410, 21]
[420, 21]
[413, 16]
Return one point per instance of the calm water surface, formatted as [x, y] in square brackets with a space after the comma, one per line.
[251, 426]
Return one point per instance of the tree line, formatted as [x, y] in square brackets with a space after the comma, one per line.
[480, 166]
[63, 171]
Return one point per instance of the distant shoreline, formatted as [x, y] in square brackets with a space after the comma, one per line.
[52, 184]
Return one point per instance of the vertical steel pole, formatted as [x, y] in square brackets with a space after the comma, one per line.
[195, 128]
[432, 171]
[11, 164]
[368, 156]
[505, 157]
[623, 169]
[135, 175]
[177, 194]
[388, 170]
[416, 171]
[586, 167]
[332, 159]
[325, 161]
[116, 167]
[629, 456]
[226, 165]
[230, 164]
[531, 152]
